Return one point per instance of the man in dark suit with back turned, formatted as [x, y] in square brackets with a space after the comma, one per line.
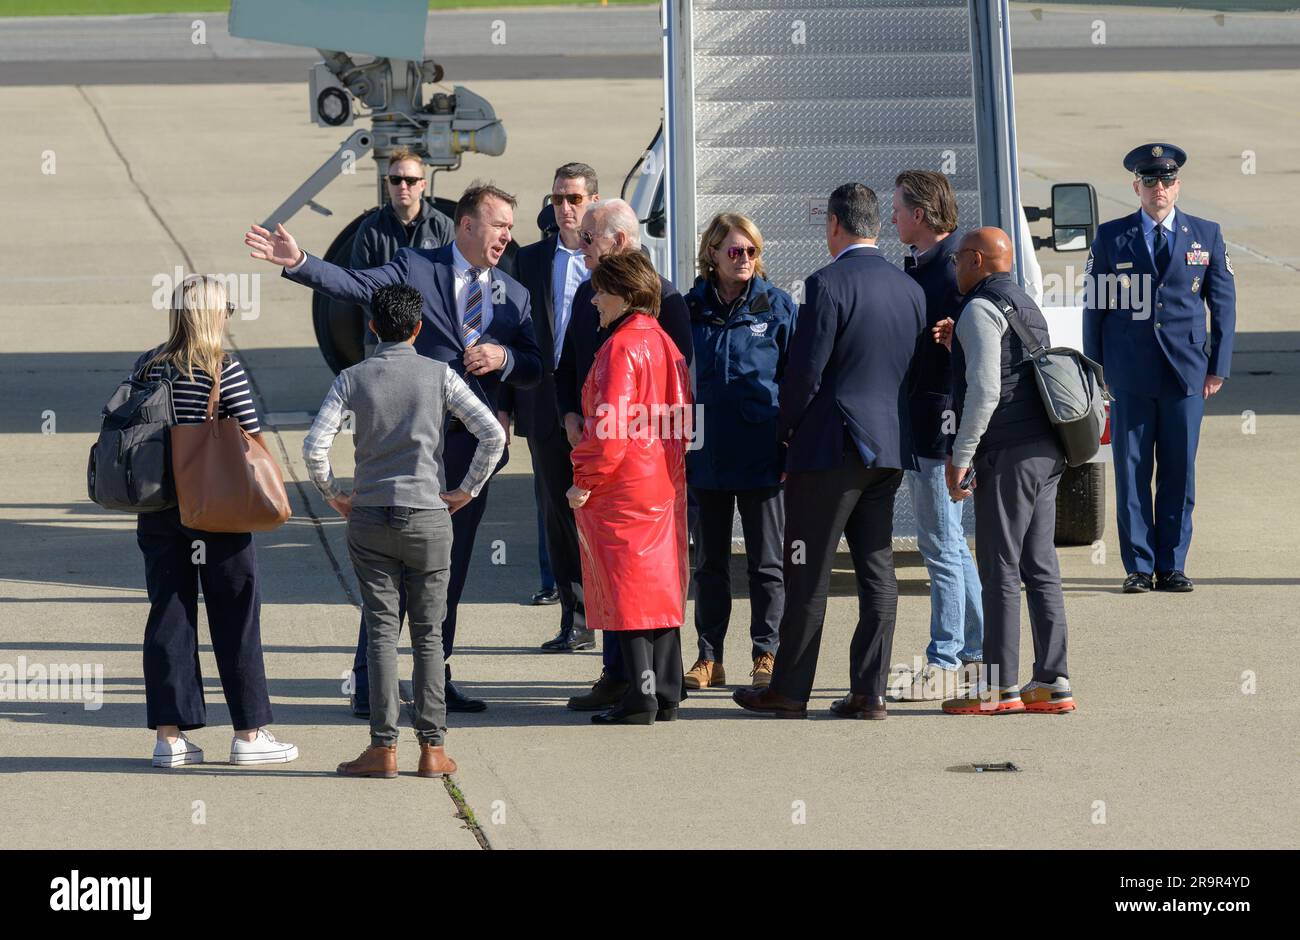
[554, 269]
[846, 423]
[476, 319]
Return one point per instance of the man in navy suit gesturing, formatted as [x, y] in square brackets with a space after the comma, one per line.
[845, 420]
[476, 318]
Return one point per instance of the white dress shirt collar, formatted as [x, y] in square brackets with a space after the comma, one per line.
[854, 247]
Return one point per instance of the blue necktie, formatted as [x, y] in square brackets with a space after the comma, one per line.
[473, 308]
[1163, 251]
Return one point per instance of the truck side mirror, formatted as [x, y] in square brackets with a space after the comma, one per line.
[1074, 216]
[657, 225]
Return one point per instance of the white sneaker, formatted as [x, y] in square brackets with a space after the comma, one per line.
[178, 752]
[263, 749]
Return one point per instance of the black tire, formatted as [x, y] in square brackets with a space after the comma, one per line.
[341, 328]
[1081, 505]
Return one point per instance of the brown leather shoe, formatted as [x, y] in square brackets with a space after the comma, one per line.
[434, 761]
[769, 702]
[705, 674]
[762, 671]
[869, 707]
[375, 761]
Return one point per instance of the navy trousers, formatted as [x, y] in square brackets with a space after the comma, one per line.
[1155, 436]
[457, 452]
[176, 561]
[762, 519]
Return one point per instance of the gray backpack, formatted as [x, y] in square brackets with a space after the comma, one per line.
[130, 464]
[1073, 392]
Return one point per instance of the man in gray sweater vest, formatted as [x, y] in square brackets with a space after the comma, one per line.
[399, 525]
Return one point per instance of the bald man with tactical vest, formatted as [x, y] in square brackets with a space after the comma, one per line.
[1008, 455]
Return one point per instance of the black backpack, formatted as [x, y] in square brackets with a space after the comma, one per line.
[130, 464]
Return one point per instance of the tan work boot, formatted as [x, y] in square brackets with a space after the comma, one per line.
[434, 761]
[762, 671]
[705, 674]
[374, 761]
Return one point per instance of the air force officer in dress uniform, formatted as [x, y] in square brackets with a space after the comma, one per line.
[1153, 273]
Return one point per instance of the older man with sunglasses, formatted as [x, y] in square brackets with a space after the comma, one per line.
[1152, 275]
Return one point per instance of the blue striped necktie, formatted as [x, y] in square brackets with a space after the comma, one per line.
[473, 308]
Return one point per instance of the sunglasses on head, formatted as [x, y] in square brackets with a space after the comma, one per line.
[735, 251]
[587, 238]
[1167, 178]
[408, 180]
[572, 199]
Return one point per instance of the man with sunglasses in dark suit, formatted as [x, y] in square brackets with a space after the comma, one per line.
[477, 319]
[553, 269]
[1151, 276]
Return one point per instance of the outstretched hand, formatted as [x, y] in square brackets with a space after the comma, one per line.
[277, 247]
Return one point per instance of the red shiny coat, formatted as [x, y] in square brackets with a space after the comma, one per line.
[632, 457]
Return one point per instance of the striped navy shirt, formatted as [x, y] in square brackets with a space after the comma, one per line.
[190, 398]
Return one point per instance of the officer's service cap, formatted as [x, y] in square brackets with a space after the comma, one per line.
[1154, 158]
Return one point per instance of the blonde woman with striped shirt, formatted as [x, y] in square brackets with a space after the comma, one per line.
[178, 560]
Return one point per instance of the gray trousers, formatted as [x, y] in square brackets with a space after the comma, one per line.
[1015, 530]
[391, 545]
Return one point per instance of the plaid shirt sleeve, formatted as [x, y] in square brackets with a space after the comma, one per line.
[482, 423]
[316, 446]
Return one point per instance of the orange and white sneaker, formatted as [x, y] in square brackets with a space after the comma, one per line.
[986, 701]
[1049, 698]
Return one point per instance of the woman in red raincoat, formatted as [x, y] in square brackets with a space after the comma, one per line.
[629, 489]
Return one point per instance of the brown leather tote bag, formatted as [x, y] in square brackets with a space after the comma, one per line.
[226, 480]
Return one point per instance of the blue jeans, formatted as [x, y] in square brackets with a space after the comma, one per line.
[956, 611]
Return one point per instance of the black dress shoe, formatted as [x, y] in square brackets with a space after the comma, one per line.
[666, 714]
[1174, 581]
[546, 598]
[617, 716]
[571, 640]
[459, 702]
[869, 707]
[769, 702]
[1137, 583]
[605, 693]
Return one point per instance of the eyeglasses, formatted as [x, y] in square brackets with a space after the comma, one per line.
[952, 258]
[408, 180]
[1167, 178]
[573, 199]
[735, 251]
